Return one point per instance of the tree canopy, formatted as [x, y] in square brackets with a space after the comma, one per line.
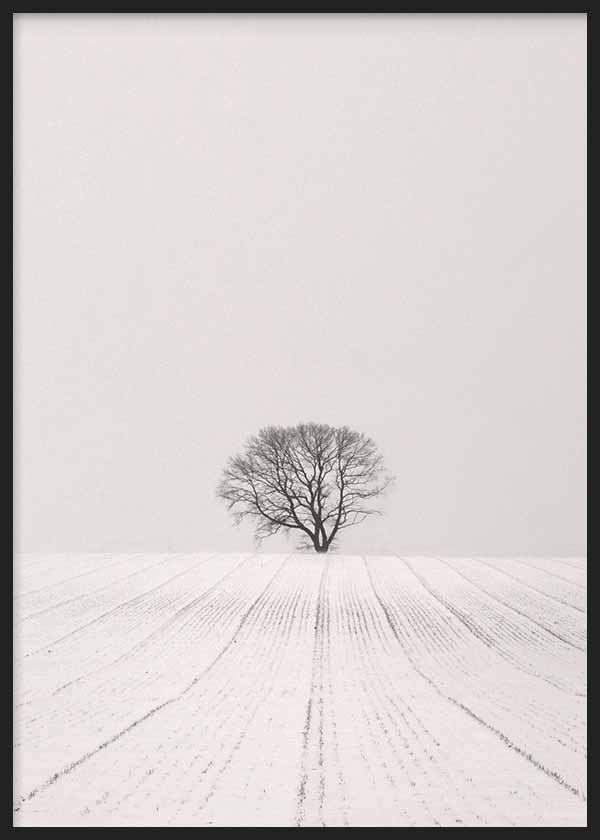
[312, 478]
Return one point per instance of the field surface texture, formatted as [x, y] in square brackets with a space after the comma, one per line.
[300, 689]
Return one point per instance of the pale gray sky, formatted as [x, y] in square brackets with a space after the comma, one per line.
[227, 222]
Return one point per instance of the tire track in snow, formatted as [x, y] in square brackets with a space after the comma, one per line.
[397, 704]
[119, 607]
[555, 775]
[283, 618]
[308, 721]
[95, 570]
[479, 631]
[375, 707]
[115, 693]
[91, 593]
[147, 716]
[421, 775]
[530, 586]
[548, 572]
[502, 700]
[480, 690]
[94, 710]
[455, 663]
[267, 635]
[511, 606]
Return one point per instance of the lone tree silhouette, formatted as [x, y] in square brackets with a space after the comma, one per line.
[312, 478]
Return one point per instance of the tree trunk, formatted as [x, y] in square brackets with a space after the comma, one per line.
[320, 534]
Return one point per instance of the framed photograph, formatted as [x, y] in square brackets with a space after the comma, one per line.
[300, 419]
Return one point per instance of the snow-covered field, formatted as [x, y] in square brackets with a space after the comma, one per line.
[299, 690]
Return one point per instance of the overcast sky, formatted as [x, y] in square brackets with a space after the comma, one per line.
[227, 222]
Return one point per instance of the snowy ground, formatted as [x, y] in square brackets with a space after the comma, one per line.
[299, 690]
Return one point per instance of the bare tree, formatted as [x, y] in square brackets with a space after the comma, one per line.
[311, 478]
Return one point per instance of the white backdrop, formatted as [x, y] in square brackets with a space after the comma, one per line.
[226, 222]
